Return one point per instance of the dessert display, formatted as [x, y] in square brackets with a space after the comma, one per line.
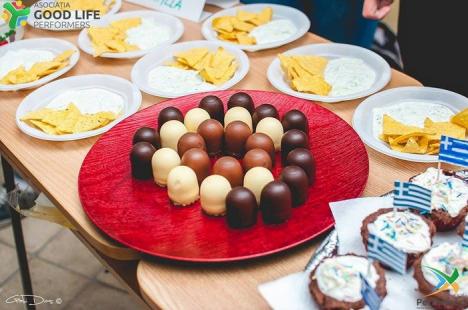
[182, 186]
[162, 162]
[140, 159]
[298, 182]
[171, 132]
[199, 161]
[238, 114]
[169, 114]
[146, 134]
[295, 119]
[262, 111]
[261, 141]
[190, 140]
[214, 106]
[256, 158]
[194, 117]
[276, 202]
[271, 127]
[241, 207]
[291, 140]
[302, 158]
[231, 169]
[213, 192]
[235, 136]
[242, 100]
[212, 132]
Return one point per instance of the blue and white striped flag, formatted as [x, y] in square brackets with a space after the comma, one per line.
[410, 195]
[453, 151]
[387, 254]
[369, 295]
[465, 234]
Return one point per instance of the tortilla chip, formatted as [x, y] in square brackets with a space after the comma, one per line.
[444, 128]
[461, 118]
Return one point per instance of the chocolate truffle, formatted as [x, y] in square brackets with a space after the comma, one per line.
[182, 186]
[213, 192]
[303, 158]
[162, 162]
[261, 141]
[262, 111]
[169, 114]
[146, 134]
[214, 106]
[298, 183]
[199, 161]
[171, 132]
[256, 178]
[140, 159]
[235, 136]
[238, 114]
[241, 99]
[241, 208]
[256, 158]
[231, 169]
[276, 202]
[291, 140]
[272, 128]
[295, 119]
[189, 141]
[213, 133]
[194, 117]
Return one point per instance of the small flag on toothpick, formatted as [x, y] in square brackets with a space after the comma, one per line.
[387, 254]
[465, 233]
[453, 151]
[369, 295]
[410, 195]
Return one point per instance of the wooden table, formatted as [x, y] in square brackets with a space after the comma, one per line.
[52, 167]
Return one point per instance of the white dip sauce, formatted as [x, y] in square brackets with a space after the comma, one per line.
[12, 60]
[176, 81]
[276, 30]
[148, 35]
[348, 76]
[89, 101]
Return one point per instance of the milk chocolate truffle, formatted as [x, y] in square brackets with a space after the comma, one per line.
[295, 119]
[241, 99]
[231, 169]
[169, 114]
[256, 178]
[189, 141]
[171, 132]
[194, 117]
[241, 208]
[213, 192]
[291, 140]
[199, 161]
[213, 133]
[238, 114]
[272, 128]
[214, 106]
[262, 111]
[182, 186]
[163, 161]
[146, 134]
[235, 136]
[298, 182]
[261, 141]
[303, 158]
[276, 202]
[256, 158]
[140, 159]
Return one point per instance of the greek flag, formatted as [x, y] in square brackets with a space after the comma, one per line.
[465, 234]
[410, 195]
[453, 151]
[387, 254]
[369, 295]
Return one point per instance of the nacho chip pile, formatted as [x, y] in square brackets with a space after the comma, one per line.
[111, 39]
[236, 29]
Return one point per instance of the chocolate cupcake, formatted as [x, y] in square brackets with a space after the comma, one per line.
[461, 227]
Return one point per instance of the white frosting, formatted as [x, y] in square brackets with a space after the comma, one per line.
[274, 31]
[148, 34]
[449, 193]
[13, 59]
[338, 277]
[176, 81]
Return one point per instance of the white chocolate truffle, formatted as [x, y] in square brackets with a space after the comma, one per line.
[271, 127]
[213, 192]
[238, 114]
[171, 132]
[194, 118]
[162, 162]
[256, 178]
[182, 186]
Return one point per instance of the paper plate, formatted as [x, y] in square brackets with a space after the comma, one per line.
[332, 50]
[42, 96]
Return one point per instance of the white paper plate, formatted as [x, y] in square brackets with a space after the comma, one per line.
[55, 46]
[363, 116]
[332, 50]
[57, 23]
[162, 55]
[44, 95]
[177, 28]
[298, 18]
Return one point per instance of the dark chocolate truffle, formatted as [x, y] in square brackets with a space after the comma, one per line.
[235, 136]
[190, 140]
[276, 202]
[256, 158]
[241, 207]
[298, 182]
[231, 169]
[199, 161]
[295, 119]
[291, 140]
[214, 106]
[140, 159]
[169, 114]
[146, 134]
[241, 99]
[261, 141]
[262, 111]
[303, 158]
[213, 133]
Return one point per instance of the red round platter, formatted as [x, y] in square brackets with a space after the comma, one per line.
[139, 215]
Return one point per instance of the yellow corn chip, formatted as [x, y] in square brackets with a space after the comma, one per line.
[461, 118]
[444, 128]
